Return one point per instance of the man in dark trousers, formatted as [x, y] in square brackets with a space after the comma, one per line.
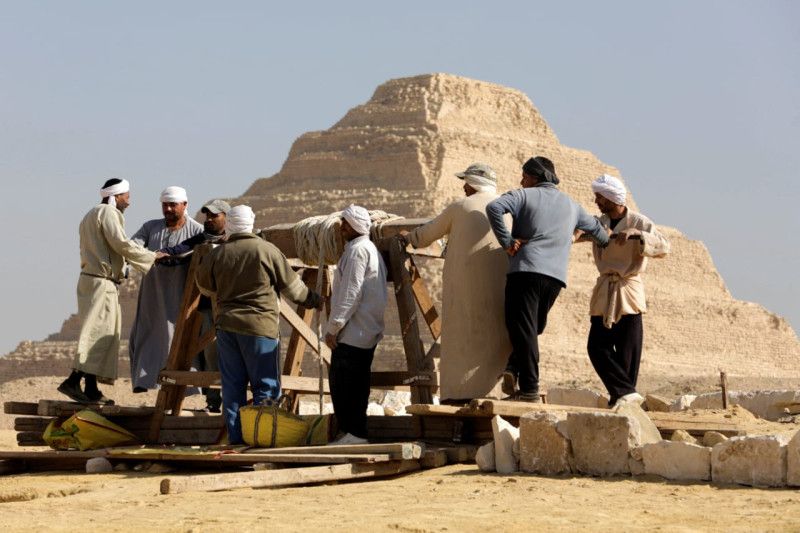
[618, 301]
[355, 325]
[539, 244]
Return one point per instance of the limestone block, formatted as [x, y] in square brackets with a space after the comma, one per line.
[769, 405]
[396, 401]
[647, 431]
[576, 397]
[793, 461]
[657, 403]
[506, 440]
[712, 438]
[677, 460]
[484, 457]
[758, 461]
[680, 435]
[543, 448]
[601, 442]
[636, 462]
[98, 465]
[683, 403]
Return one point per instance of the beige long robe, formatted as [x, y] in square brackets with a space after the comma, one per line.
[475, 345]
[104, 250]
[619, 289]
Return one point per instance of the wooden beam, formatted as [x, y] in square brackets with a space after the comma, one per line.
[424, 301]
[20, 408]
[212, 379]
[406, 306]
[59, 408]
[286, 477]
[297, 344]
[401, 450]
[304, 330]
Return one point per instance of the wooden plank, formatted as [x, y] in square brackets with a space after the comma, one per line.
[184, 342]
[59, 408]
[385, 379]
[212, 379]
[11, 467]
[295, 350]
[247, 459]
[403, 450]
[20, 408]
[424, 301]
[304, 330]
[286, 477]
[406, 306]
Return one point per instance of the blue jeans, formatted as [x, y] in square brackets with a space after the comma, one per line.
[246, 359]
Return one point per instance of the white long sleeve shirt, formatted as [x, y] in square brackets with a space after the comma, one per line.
[359, 295]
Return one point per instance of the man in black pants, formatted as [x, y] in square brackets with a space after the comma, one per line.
[539, 244]
[355, 325]
[618, 301]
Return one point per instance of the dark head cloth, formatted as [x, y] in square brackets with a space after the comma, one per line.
[533, 167]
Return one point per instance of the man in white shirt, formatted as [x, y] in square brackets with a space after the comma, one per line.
[355, 325]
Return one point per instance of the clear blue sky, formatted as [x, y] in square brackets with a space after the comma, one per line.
[696, 102]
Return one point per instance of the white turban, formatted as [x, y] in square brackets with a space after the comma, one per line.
[610, 188]
[240, 219]
[358, 218]
[480, 184]
[112, 190]
[176, 195]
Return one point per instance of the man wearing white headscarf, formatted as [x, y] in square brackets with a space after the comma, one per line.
[161, 290]
[471, 357]
[355, 325]
[104, 250]
[245, 274]
[618, 300]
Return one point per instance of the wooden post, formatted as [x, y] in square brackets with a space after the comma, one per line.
[425, 302]
[406, 306]
[723, 383]
[184, 341]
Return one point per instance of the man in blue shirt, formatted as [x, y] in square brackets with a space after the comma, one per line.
[538, 244]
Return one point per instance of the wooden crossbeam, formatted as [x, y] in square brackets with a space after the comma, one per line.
[285, 477]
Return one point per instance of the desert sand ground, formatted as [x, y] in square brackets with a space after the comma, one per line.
[453, 498]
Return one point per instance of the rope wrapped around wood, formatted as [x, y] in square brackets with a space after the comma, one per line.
[319, 236]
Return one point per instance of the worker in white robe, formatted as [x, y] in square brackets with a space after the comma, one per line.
[618, 300]
[475, 345]
[161, 291]
[104, 250]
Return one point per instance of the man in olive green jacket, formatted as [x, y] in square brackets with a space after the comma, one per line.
[245, 275]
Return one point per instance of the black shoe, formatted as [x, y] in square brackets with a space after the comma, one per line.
[138, 390]
[530, 397]
[74, 392]
[98, 397]
[509, 382]
[213, 408]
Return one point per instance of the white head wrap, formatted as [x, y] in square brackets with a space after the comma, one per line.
[174, 194]
[480, 183]
[610, 188]
[358, 218]
[240, 219]
[112, 190]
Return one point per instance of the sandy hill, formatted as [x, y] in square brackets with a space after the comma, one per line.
[398, 152]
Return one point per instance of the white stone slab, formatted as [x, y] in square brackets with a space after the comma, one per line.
[677, 460]
[576, 397]
[543, 448]
[758, 461]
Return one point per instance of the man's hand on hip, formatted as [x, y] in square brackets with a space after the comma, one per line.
[330, 341]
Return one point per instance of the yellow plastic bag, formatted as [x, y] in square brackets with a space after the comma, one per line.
[86, 430]
[272, 426]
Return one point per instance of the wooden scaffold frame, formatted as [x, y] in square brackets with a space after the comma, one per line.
[410, 293]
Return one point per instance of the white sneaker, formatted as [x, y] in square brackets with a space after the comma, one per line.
[633, 397]
[348, 438]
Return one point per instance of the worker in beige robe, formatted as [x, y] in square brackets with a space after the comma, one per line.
[475, 344]
[104, 250]
[618, 298]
